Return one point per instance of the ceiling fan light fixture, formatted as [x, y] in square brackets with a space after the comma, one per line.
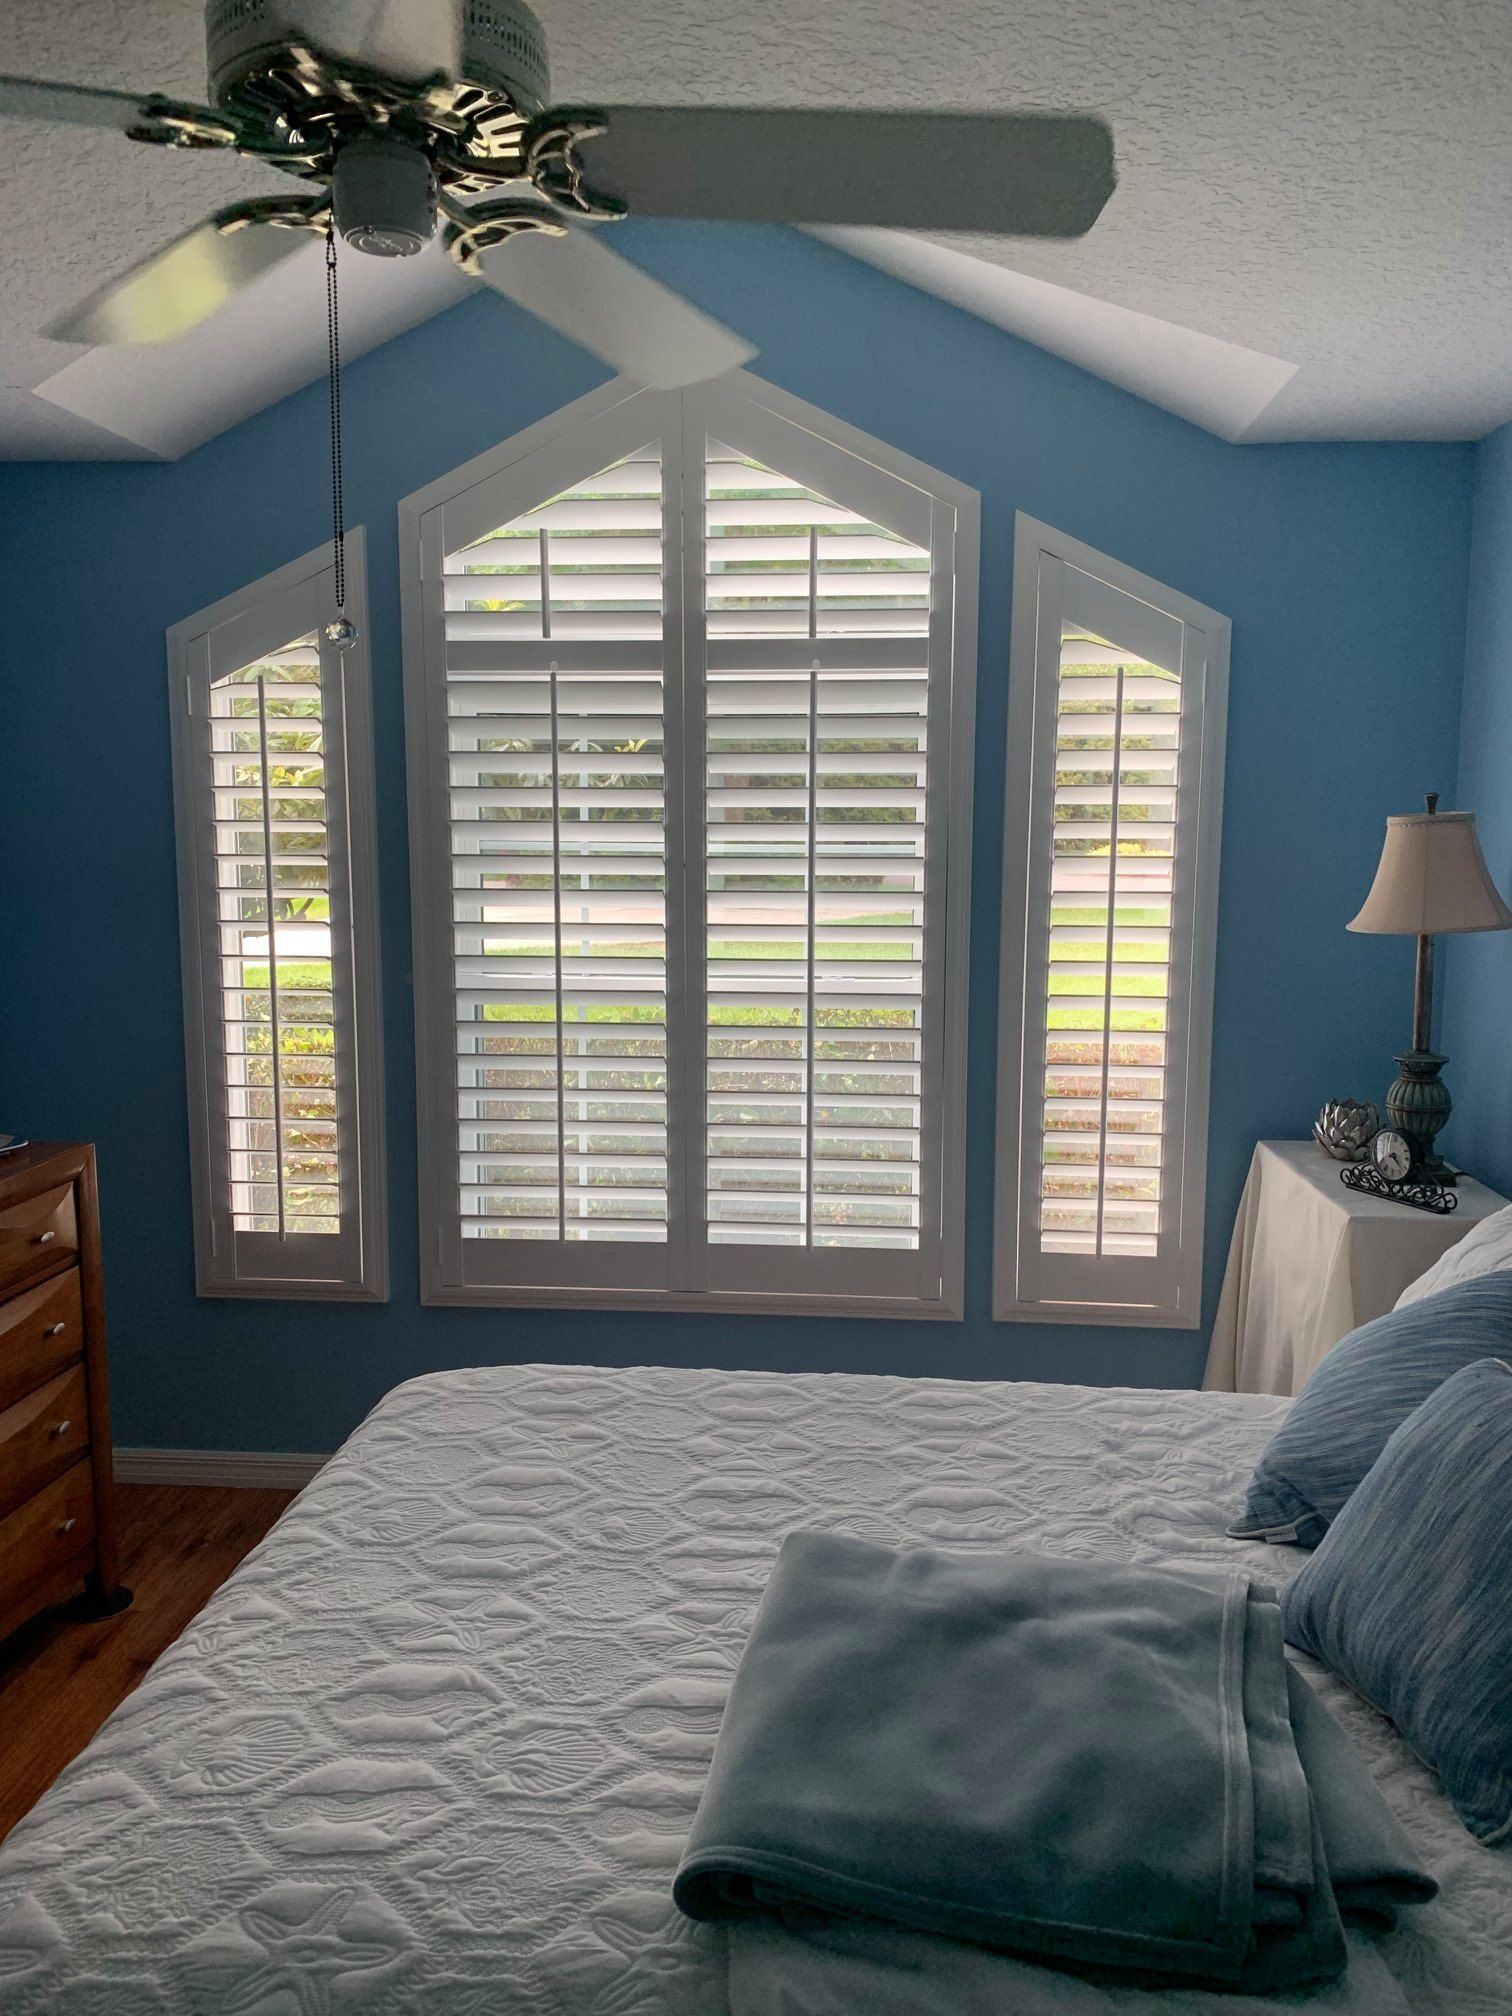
[383, 197]
[498, 46]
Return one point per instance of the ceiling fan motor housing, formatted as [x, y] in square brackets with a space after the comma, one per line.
[503, 45]
[383, 198]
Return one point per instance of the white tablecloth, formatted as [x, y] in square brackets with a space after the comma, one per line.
[1310, 1261]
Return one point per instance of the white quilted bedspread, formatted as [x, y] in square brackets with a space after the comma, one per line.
[435, 1746]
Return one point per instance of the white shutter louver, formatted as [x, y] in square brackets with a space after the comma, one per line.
[1118, 727]
[278, 909]
[816, 774]
[683, 675]
[274, 925]
[558, 823]
[1111, 971]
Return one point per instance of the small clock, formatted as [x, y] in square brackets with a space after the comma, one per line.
[1393, 1155]
[1397, 1171]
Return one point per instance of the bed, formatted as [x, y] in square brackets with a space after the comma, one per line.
[436, 1744]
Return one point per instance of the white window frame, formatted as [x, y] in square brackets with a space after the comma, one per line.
[485, 492]
[352, 1264]
[1164, 1292]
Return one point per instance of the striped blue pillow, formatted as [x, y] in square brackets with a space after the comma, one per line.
[1408, 1599]
[1365, 1388]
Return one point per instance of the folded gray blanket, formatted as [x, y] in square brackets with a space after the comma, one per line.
[1100, 1766]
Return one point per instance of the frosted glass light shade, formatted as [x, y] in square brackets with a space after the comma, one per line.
[1432, 878]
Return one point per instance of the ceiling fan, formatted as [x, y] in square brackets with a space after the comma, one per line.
[399, 118]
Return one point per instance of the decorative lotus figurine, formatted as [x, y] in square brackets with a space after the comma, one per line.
[1346, 1127]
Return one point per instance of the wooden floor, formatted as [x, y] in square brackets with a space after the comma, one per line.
[59, 1679]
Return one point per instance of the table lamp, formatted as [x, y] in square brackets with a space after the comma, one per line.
[1432, 878]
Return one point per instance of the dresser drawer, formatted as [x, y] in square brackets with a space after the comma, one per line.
[36, 1235]
[41, 1331]
[41, 1436]
[41, 1536]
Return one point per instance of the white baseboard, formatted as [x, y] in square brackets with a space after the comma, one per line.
[253, 1469]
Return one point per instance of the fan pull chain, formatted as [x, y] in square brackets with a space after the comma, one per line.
[342, 631]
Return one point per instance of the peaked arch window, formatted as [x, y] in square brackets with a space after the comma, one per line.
[1117, 694]
[271, 744]
[688, 676]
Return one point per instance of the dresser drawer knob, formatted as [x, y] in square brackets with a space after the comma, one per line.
[59, 1428]
[44, 1238]
[55, 1329]
[68, 1525]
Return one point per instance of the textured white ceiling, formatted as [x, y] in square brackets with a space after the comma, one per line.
[1317, 184]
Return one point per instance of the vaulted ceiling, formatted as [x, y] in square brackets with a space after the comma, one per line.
[1312, 236]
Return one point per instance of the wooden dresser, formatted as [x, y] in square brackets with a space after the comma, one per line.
[57, 1500]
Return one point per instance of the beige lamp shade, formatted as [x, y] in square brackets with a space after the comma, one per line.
[1432, 878]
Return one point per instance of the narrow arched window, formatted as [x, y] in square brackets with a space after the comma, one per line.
[278, 912]
[1117, 691]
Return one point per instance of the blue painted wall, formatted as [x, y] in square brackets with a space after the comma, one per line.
[1478, 1002]
[1343, 568]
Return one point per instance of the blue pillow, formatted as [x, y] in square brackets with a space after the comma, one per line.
[1366, 1387]
[1408, 1598]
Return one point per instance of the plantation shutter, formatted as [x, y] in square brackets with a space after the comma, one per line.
[824, 607]
[545, 613]
[681, 707]
[1121, 733]
[275, 835]
[276, 952]
[556, 736]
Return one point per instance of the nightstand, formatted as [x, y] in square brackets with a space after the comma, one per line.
[1311, 1260]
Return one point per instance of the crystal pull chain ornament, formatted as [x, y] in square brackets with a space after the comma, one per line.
[341, 631]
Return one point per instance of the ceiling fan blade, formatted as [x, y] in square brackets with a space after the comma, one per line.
[172, 290]
[404, 38]
[1019, 174]
[598, 299]
[70, 104]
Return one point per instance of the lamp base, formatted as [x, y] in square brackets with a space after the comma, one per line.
[1418, 1105]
